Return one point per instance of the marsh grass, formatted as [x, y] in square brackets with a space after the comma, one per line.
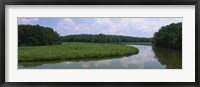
[73, 51]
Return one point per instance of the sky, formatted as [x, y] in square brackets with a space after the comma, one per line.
[136, 27]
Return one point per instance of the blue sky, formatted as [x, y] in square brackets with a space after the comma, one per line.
[137, 27]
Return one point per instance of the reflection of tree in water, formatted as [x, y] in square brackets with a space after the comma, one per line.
[37, 63]
[169, 57]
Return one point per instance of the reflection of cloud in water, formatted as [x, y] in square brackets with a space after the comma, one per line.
[85, 65]
[145, 55]
[103, 62]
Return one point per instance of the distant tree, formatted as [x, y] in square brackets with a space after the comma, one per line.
[102, 38]
[35, 35]
[169, 36]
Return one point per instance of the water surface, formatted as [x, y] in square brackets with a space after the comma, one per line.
[148, 58]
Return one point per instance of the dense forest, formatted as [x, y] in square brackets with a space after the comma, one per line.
[35, 35]
[169, 36]
[102, 38]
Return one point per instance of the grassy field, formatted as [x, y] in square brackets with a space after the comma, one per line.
[73, 51]
[134, 43]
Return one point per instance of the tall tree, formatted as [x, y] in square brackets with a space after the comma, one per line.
[35, 35]
[169, 36]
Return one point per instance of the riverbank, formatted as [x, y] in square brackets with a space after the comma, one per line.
[73, 50]
[134, 43]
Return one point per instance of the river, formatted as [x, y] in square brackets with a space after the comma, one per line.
[148, 58]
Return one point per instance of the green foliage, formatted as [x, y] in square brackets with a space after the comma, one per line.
[169, 36]
[35, 35]
[102, 38]
[74, 50]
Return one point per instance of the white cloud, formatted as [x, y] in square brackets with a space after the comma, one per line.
[66, 21]
[27, 20]
[66, 26]
[144, 27]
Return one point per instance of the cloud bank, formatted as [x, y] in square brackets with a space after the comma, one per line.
[27, 20]
[137, 27]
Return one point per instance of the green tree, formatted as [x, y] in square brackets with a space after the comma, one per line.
[102, 38]
[35, 35]
[169, 36]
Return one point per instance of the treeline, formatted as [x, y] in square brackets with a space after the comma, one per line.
[102, 38]
[169, 36]
[35, 35]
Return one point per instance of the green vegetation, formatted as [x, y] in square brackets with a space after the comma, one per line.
[32, 41]
[35, 35]
[169, 36]
[73, 51]
[102, 38]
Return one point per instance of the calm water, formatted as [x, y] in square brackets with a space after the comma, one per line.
[148, 58]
